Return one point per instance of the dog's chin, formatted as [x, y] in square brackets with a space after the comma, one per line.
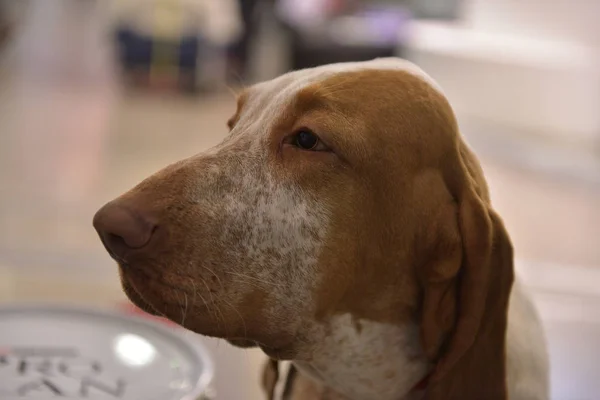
[242, 343]
[278, 349]
[276, 353]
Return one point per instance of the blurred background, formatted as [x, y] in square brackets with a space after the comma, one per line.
[97, 94]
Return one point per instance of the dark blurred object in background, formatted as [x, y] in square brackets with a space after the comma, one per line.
[6, 22]
[239, 52]
[175, 43]
[435, 9]
[169, 42]
[4, 26]
[139, 54]
[328, 31]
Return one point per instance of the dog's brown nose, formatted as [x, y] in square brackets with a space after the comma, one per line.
[122, 229]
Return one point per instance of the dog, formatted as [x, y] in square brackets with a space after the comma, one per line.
[343, 225]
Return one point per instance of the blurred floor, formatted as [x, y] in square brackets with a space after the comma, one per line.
[71, 139]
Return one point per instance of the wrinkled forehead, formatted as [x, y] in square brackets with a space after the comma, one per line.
[265, 102]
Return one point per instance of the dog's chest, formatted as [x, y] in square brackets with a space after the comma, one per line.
[366, 360]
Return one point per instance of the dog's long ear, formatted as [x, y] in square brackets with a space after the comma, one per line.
[466, 284]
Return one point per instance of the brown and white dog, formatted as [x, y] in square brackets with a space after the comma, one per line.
[344, 225]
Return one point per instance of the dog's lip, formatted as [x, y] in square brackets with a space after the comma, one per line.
[130, 259]
[139, 300]
[128, 273]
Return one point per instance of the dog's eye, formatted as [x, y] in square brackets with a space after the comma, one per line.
[307, 140]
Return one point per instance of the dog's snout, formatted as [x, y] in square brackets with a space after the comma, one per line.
[122, 229]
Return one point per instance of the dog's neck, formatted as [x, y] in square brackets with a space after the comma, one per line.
[364, 360]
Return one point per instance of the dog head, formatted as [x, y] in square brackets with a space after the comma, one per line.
[343, 189]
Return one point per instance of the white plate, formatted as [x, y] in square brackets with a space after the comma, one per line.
[49, 352]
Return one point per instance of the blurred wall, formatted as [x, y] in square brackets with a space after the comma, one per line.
[574, 20]
[531, 65]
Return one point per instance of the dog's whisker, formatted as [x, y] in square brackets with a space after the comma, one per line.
[225, 327]
[185, 309]
[250, 283]
[194, 290]
[214, 273]
[236, 92]
[240, 81]
[255, 279]
[206, 303]
[217, 310]
[181, 307]
[208, 289]
[153, 309]
[239, 314]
